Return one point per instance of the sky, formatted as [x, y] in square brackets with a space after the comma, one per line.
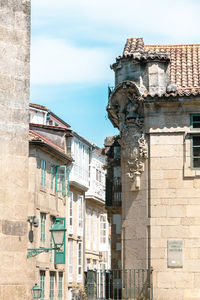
[74, 42]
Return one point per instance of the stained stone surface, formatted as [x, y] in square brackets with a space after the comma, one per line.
[14, 97]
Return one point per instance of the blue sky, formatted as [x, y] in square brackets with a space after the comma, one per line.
[75, 41]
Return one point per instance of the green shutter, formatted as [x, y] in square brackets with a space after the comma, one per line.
[52, 176]
[62, 180]
[42, 235]
[43, 173]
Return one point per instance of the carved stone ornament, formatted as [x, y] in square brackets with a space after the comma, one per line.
[126, 109]
[134, 151]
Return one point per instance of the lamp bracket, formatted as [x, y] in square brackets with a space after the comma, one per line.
[35, 251]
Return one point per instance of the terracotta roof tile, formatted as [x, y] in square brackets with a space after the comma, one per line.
[38, 106]
[184, 66]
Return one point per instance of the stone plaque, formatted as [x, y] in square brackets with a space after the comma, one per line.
[175, 254]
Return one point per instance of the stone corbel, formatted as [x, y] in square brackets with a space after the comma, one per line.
[134, 151]
[125, 111]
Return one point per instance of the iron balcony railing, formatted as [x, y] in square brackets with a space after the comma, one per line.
[119, 284]
[114, 192]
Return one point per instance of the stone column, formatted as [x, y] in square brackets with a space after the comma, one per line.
[14, 97]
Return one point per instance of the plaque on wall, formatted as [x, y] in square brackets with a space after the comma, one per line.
[175, 253]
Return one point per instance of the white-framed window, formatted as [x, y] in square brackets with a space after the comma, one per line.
[88, 263]
[80, 215]
[94, 264]
[79, 262]
[70, 211]
[42, 284]
[98, 175]
[70, 260]
[42, 228]
[88, 230]
[94, 231]
[103, 232]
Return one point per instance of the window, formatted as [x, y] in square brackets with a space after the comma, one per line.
[79, 255]
[60, 285]
[70, 213]
[69, 145]
[53, 171]
[103, 232]
[98, 175]
[94, 231]
[42, 232]
[51, 289]
[88, 263]
[62, 180]
[117, 153]
[70, 260]
[88, 229]
[80, 215]
[195, 121]
[42, 284]
[43, 173]
[118, 246]
[94, 264]
[195, 151]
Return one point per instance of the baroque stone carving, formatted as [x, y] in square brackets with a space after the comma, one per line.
[134, 150]
[125, 110]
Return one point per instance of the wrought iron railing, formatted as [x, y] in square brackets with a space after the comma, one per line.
[133, 284]
[114, 193]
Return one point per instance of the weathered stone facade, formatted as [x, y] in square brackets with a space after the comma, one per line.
[14, 93]
[154, 100]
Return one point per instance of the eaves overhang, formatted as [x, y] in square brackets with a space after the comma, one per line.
[51, 150]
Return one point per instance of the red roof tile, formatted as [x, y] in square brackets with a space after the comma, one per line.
[38, 106]
[184, 66]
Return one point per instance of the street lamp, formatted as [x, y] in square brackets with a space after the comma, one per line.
[58, 237]
[36, 292]
[57, 234]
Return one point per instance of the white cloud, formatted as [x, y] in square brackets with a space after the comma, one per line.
[57, 57]
[56, 61]
[174, 19]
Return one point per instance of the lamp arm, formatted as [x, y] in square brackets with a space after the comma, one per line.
[35, 251]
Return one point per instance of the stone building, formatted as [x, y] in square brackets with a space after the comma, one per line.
[14, 94]
[83, 208]
[48, 198]
[156, 106]
[97, 237]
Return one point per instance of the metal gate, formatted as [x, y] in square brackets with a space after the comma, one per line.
[119, 284]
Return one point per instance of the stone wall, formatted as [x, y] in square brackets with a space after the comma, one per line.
[174, 193]
[14, 94]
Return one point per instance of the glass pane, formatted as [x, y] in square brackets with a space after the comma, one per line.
[196, 140]
[196, 124]
[196, 162]
[196, 118]
[196, 151]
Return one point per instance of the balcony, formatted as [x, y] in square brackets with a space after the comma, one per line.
[114, 192]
